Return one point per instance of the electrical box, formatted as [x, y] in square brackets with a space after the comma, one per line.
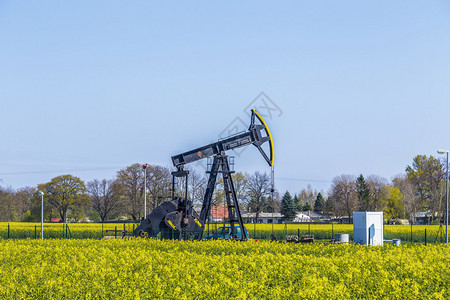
[368, 228]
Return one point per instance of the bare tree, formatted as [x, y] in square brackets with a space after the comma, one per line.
[343, 195]
[23, 199]
[308, 195]
[377, 192]
[410, 199]
[258, 192]
[196, 186]
[307, 198]
[6, 206]
[274, 204]
[437, 201]
[130, 183]
[104, 199]
[240, 182]
[330, 207]
[158, 184]
[427, 174]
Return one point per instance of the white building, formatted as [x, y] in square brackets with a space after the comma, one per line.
[263, 218]
[302, 217]
[309, 216]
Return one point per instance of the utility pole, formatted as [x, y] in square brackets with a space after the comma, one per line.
[446, 192]
[144, 167]
[40, 193]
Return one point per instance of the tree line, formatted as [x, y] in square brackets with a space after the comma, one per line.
[67, 197]
[420, 189]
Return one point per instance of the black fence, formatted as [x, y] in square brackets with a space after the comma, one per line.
[280, 232]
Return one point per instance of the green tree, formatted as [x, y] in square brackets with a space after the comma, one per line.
[64, 193]
[27, 217]
[394, 207]
[35, 209]
[330, 207]
[298, 204]
[363, 193]
[288, 207]
[319, 205]
[426, 174]
[307, 207]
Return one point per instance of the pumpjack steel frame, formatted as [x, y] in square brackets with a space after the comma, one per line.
[179, 215]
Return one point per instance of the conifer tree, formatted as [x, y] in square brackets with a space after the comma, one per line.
[363, 193]
[288, 206]
[319, 205]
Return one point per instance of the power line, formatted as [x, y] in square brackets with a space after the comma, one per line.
[115, 168]
[303, 180]
[56, 171]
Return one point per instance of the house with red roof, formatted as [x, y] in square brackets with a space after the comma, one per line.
[219, 213]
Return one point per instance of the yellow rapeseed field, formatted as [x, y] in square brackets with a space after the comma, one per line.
[154, 269]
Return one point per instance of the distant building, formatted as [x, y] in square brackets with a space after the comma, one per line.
[263, 218]
[218, 213]
[397, 222]
[425, 217]
[309, 216]
[344, 220]
[302, 217]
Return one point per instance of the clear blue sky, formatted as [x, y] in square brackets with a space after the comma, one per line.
[89, 87]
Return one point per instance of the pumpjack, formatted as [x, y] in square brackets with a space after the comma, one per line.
[177, 219]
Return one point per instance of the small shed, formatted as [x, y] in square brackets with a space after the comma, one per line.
[368, 228]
